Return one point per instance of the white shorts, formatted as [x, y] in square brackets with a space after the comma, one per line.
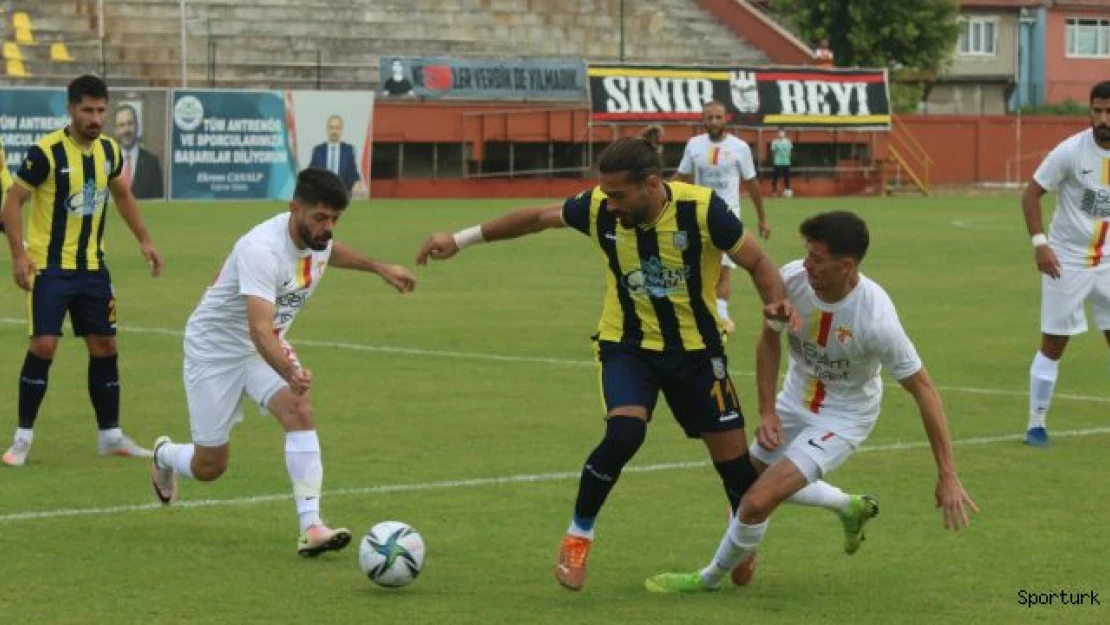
[1063, 299]
[815, 445]
[214, 391]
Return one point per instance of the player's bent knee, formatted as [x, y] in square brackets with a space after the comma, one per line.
[209, 463]
[1053, 346]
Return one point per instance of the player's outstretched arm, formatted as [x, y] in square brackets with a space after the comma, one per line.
[128, 208]
[513, 224]
[395, 276]
[951, 497]
[768, 282]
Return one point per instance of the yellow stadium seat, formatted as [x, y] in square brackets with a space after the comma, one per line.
[12, 51]
[24, 36]
[59, 53]
[21, 20]
[16, 69]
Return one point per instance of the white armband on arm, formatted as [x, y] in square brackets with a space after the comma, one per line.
[1040, 239]
[469, 236]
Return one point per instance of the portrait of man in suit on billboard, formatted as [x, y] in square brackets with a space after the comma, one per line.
[336, 155]
[141, 168]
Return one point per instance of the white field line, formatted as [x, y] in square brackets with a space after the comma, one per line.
[435, 353]
[476, 482]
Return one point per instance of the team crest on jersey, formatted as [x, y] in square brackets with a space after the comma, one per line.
[843, 335]
[681, 242]
[718, 367]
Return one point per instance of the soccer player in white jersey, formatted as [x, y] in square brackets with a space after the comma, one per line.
[1072, 256]
[721, 161]
[235, 346]
[831, 395]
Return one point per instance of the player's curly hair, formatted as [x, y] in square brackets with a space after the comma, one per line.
[843, 232]
[635, 156]
[320, 186]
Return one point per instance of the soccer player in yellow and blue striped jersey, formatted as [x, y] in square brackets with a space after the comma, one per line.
[5, 179]
[661, 244]
[69, 175]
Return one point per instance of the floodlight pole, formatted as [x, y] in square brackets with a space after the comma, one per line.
[184, 49]
[100, 34]
[621, 20]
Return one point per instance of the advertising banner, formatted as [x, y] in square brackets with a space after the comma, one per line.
[753, 96]
[26, 115]
[483, 79]
[251, 144]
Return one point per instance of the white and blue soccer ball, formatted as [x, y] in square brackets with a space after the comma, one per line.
[391, 554]
[788, 193]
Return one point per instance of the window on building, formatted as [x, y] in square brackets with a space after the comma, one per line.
[1088, 38]
[978, 36]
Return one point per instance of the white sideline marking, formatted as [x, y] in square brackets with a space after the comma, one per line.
[435, 353]
[477, 482]
[543, 360]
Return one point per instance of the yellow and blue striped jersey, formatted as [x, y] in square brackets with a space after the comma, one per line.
[5, 175]
[69, 188]
[661, 277]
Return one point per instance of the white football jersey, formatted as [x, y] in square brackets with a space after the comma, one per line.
[264, 263]
[1079, 172]
[835, 359]
[719, 165]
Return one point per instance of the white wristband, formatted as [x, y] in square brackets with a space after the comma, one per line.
[469, 236]
[1040, 240]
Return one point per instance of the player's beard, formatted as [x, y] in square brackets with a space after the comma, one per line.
[716, 135]
[1102, 133]
[316, 244]
[88, 132]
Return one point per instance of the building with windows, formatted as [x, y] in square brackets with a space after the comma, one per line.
[1017, 53]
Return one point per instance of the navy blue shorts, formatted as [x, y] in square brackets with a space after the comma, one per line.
[86, 295]
[696, 385]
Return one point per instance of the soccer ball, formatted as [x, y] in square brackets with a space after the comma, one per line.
[391, 554]
[788, 193]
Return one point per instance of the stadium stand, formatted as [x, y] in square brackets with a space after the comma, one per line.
[337, 43]
[38, 36]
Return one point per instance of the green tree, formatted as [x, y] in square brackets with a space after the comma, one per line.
[914, 38]
[915, 34]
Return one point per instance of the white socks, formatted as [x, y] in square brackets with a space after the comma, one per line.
[576, 530]
[176, 456]
[821, 494]
[24, 434]
[739, 542]
[1042, 381]
[109, 436]
[722, 309]
[306, 472]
